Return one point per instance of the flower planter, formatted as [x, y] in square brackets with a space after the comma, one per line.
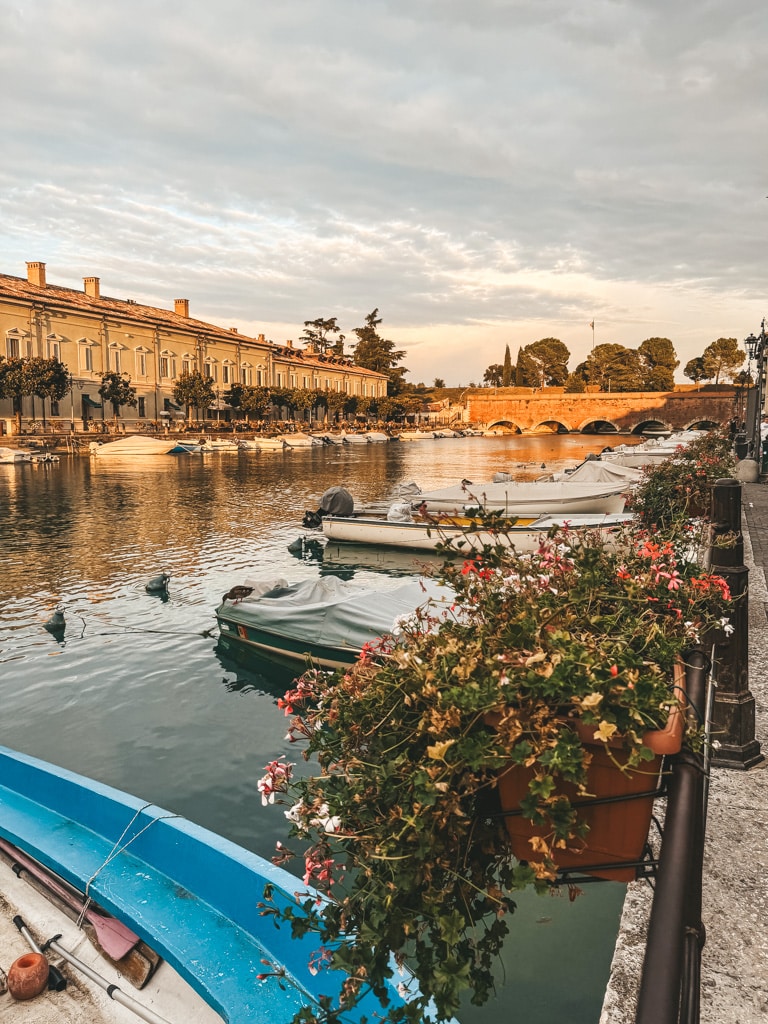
[618, 830]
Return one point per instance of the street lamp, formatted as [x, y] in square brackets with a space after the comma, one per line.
[756, 349]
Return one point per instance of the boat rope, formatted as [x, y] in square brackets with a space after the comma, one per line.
[116, 850]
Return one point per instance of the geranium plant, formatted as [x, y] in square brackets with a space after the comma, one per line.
[680, 487]
[398, 827]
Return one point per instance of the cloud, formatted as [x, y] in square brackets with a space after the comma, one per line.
[473, 169]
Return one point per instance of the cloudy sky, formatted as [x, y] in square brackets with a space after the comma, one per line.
[485, 172]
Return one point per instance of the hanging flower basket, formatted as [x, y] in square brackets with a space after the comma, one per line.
[618, 829]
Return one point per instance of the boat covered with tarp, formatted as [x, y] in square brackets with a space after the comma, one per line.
[326, 620]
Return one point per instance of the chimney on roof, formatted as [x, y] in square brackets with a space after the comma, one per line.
[289, 344]
[233, 330]
[36, 274]
[92, 288]
[181, 307]
[261, 338]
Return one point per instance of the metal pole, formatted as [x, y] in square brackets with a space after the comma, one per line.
[735, 745]
[675, 932]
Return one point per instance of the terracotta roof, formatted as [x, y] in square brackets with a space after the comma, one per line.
[71, 299]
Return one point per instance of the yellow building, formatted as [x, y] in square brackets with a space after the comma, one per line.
[93, 334]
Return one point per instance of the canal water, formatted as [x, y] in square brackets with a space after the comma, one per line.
[137, 694]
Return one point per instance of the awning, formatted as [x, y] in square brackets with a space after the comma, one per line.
[87, 400]
[171, 406]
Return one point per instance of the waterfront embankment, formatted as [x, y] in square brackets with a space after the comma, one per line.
[734, 978]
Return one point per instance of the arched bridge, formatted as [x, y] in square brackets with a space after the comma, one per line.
[625, 413]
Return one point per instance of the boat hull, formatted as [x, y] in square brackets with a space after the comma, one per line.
[417, 536]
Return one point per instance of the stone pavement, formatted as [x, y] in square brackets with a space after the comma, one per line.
[734, 983]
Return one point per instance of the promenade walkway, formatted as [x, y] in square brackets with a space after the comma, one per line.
[734, 984]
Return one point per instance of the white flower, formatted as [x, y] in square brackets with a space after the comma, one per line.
[726, 626]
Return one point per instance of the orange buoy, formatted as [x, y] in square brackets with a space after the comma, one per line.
[28, 976]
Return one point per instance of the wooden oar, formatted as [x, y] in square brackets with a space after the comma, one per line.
[114, 940]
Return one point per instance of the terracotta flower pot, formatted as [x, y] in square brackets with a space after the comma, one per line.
[28, 976]
[617, 831]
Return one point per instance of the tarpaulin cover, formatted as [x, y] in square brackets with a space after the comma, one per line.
[330, 611]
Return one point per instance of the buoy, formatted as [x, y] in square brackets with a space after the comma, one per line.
[57, 624]
[158, 584]
[28, 976]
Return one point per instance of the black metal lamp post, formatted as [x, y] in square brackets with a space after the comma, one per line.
[756, 350]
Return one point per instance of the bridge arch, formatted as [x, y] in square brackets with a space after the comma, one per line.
[652, 428]
[598, 426]
[551, 426]
[503, 427]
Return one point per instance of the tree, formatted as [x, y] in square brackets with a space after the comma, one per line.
[506, 373]
[439, 382]
[493, 375]
[378, 354]
[722, 357]
[46, 378]
[575, 384]
[613, 368]
[194, 390]
[252, 400]
[695, 370]
[658, 363]
[545, 363]
[13, 385]
[117, 389]
[526, 370]
[322, 335]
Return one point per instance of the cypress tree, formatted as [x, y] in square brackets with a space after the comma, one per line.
[506, 375]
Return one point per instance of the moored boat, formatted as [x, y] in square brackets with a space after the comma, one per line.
[177, 909]
[138, 445]
[327, 620]
[466, 534]
[8, 455]
[528, 498]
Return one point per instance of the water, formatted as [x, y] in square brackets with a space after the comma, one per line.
[136, 694]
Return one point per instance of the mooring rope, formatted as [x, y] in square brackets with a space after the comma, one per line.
[116, 850]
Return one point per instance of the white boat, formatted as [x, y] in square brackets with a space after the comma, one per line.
[651, 452]
[328, 619]
[417, 435]
[354, 438]
[8, 455]
[300, 440]
[528, 498]
[264, 444]
[523, 535]
[598, 471]
[377, 436]
[138, 445]
[219, 444]
[175, 930]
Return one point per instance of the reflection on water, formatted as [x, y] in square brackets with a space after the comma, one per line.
[140, 694]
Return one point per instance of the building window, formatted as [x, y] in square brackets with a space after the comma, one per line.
[114, 359]
[141, 364]
[226, 374]
[54, 405]
[54, 347]
[210, 370]
[259, 380]
[280, 379]
[187, 364]
[14, 344]
[86, 356]
[305, 382]
[167, 365]
[142, 406]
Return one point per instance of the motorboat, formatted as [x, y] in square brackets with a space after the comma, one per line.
[8, 455]
[417, 435]
[300, 440]
[651, 452]
[137, 445]
[325, 620]
[264, 444]
[148, 915]
[377, 436]
[463, 534]
[219, 444]
[595, 470]
[528, 498]
[354, 438]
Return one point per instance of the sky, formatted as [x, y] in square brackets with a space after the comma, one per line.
[483, 172]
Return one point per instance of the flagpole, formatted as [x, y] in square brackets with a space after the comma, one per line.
[592, 325]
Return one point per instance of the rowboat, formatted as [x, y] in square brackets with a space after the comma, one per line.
[465, 533]
[175, 930]
[528, 498]
[325, 620]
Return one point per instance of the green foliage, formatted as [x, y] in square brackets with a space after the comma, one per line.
[695, 369]
[117, 389]
[506, 370]
[545, 363]
[658, 362]
[378, 354]
[493, 375]
[398, 827]
[250, 399]
[613, 368]
[680, 487]
[194, 390]
[323, 335]
[722, 358]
